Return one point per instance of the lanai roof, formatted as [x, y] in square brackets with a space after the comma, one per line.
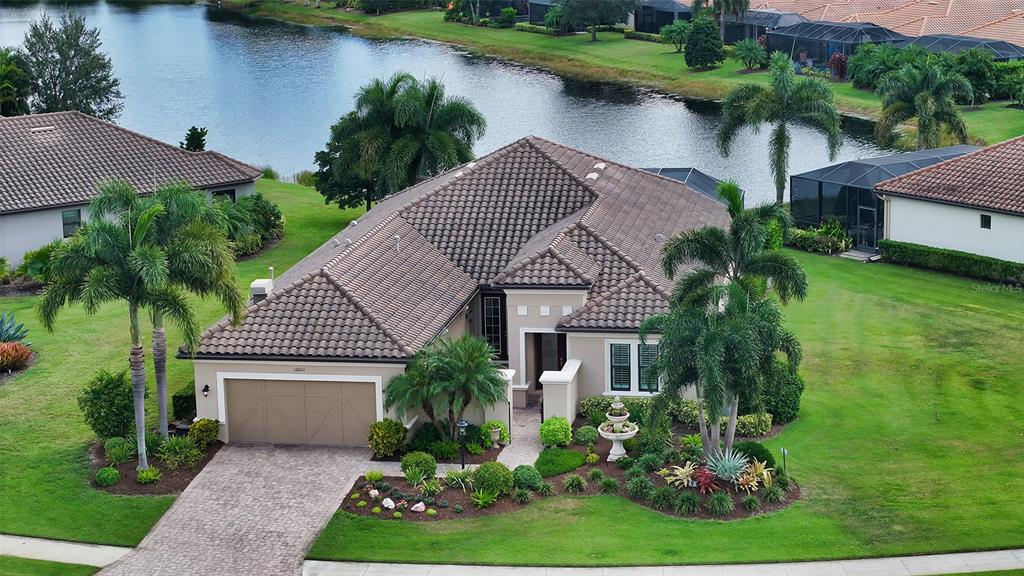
[866, 172]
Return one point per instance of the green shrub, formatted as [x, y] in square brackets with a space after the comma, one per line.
[269, 173]
[119, 453]
[555, 461]
[457, 508]
[247, 244]
[781, 480]
[589, 404]
[635, 472]
[473, 448]
[462, 479]
[107, 476]
[687, 503]
[305, 178]
[147, 475]
[645, 36]
[506, 19]
[423, 437]
[609, 485]
[719, 504]
[113, 443]
[586, 435]
[639, 487]
[526, 477]
[774, 494]
[396, 515]
[751, 53]
[419, 461]
[625, 463]
[546, 489]
[663, 498]
[781, 393]
[752, 425]
[264, 216]
[375, 510]
[574, 484]
[485, 432]
[431, 512]
[953, 262]
[106, 403]
[482, 499]
[152, 440]
[204, 432]
[751, 503]
[524, 27]
[595, 475]
[493, 477]
[35, 264]
[592, 458]
[650, 462]
[444, 449]
[704, 47]
[362, 504]
[387, 437]
[179, 451]
[183, 403]
[522, 496]
[431, 488]
[555, 431]
[755, 451]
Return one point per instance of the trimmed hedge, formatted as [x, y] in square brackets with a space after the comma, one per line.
[524, 27]
[183, 403]
[952, 262]
[645, 36]
[555, 461]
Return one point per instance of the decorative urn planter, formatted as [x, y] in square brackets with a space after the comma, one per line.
[495, 437]
[617, 429]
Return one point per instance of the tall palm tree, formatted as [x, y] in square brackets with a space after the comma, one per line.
[927, 92]
[416, 388]
[193, 233]
[118, 258]
[728, 8]
[786, 100]
[413, 131]
[725, 347]
[464, 371]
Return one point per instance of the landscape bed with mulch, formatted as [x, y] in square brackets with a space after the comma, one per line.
[172, 480]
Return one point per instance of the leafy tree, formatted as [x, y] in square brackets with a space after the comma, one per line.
[751, 53]
[15, 84]
[556, 20]
[676, 33]
[979, 68]
[928, 93]
[786, 100]
[120, 259]
[592, 13]
[464, 371]
[195, 139]
[728, 8]
[68, 70]
[704, 48]
[402, 130]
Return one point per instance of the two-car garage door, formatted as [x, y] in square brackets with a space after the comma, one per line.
[300, 412]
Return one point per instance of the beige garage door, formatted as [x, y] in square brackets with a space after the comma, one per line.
[290, 412]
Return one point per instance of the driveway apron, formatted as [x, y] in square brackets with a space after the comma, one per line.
[252, 511]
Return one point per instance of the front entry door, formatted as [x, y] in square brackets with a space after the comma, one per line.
[549, 352]
[867, 228]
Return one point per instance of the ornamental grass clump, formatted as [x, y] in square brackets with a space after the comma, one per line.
[663, 498]
[595, 475]
[522, 496]
[639, 488]
[687, 503]
[574, 484]
[719, 504]
[773, 494]
[609, 485]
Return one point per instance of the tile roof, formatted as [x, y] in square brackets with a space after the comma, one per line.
[991, 178]
[533, 213]
[58, 159]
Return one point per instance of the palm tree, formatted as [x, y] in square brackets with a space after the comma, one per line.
[726, 348]
[464, 371]
[927, 92]
[415, 388]
[15, 85]
[728, 7]
[118, 258]
[785, 101]
[200, 261]
[413, 131]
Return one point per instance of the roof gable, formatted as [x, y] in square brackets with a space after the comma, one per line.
[625, 307]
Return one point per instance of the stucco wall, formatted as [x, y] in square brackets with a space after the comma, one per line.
[536, 302]
[955, 228]
[24, 231]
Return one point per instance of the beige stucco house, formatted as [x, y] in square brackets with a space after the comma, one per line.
[549, 253]
[51, 165]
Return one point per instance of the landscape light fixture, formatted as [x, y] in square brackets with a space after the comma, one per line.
[462, 425]
[206, 391]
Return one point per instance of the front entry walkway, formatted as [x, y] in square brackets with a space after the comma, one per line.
[251, 511]
[525, 433]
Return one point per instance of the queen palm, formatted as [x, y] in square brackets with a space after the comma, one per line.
[787, 100]
[464, 371]
[928, 93]
[415, 389]
[728, 8]
[118, 258]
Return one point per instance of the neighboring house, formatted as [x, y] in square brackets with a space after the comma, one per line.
[814, 43]
[950, 43]
[974, 203]
[652, 15]
[51, 165]
[756, 23]
[549, 253]
[845, 192]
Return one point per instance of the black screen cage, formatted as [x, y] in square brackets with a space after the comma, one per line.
[953, 44]
[840, 32]
[765, 19]
[693, 178]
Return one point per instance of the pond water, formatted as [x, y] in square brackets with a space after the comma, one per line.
[268, 93]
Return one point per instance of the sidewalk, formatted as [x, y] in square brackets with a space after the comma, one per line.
[897, 566]
[60, 551]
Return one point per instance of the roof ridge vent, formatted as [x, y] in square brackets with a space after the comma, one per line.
[593, 176]
[601, 165]
[38, 129]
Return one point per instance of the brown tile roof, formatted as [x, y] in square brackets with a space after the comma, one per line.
[58, 159]
[991, 178]
[533, 213]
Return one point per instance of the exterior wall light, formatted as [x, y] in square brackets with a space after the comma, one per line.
[206, 391]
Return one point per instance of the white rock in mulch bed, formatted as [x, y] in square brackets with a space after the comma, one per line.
[374, 494]
[388, 503]
[418, 507]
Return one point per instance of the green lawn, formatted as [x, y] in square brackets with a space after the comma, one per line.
[910, 440]
[11, 566]
[612, 58]
[44, 470]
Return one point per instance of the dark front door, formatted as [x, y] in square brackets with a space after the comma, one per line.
[549, 352]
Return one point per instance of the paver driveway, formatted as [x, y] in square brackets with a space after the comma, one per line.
[251, 511]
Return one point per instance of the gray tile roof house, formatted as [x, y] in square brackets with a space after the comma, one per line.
[549, 253]
[55, 161]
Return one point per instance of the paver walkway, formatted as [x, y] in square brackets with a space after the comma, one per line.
[251, 511]
[525, 433]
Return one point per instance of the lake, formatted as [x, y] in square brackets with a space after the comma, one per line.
[268, 93]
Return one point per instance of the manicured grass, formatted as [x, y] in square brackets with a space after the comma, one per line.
[910, 440]
[613, 58]
[44, 469]
[12, 566]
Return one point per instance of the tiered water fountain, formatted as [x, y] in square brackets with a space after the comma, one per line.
[617, 429]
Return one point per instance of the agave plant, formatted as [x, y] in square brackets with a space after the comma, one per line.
[728, 464]
[678, 476]
[11, 332]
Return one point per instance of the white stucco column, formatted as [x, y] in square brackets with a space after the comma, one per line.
[561, 393]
